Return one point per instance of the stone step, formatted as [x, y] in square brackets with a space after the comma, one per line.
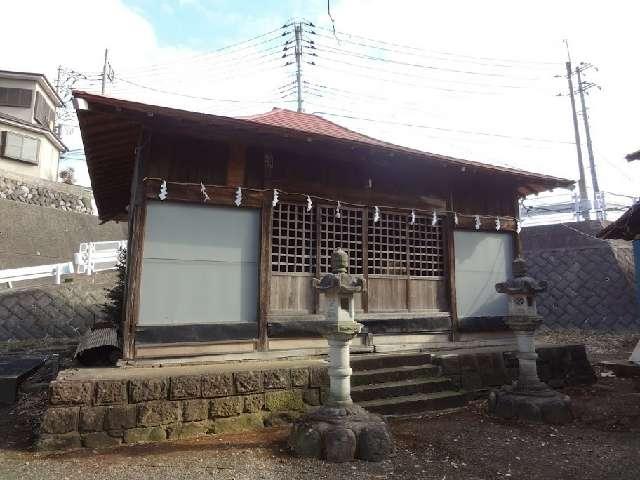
[396, 374]
[378, 391]
[418, 403]
[376, 361]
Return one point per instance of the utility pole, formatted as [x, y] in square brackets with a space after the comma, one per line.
[105, 66]
[582, 186]
[297, 28]
[587, 133]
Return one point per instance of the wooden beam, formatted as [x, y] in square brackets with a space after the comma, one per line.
[191, 193]
[266, 216]
[487, 224]
[237, 164]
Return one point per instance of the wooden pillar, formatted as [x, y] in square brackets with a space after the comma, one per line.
[266, 216]
[448, 224]
[137, 220]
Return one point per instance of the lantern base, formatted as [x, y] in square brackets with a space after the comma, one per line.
[341, 434]
[537, 405]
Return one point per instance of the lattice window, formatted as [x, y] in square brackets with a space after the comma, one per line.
[293, 242]
[426, 248]
[393, 242]
[387, 244]
[344, 232]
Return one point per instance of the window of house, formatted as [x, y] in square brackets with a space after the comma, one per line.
[43, 113]
[395, 247]
[19, 147]
[15, 97]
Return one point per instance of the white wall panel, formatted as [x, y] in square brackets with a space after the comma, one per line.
[200, 265]
[482, 260]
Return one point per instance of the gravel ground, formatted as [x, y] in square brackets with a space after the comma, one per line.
[602, 443]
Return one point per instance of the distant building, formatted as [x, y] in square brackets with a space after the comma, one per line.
[29, 144]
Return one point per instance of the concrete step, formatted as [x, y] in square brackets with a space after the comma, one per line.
[395, 374]
[416, 403]
[379, 391]
[387, 360]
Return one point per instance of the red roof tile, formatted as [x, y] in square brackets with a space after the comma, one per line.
[306, 122]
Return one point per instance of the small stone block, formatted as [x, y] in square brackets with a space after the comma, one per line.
[278, 378]
[120, 417]
[61, 420]
[70, 393]
[319, 377]
[226, 407]
[110, 392]
[248, 382]
[140, 435]
[280, 419]
[189, 430]
[306, 442]
[100, 440]
[219, 385]
[66, 441]
[281, 400]
[146, 390]
[195, 410]
[450, 364]
[311, 396]
[241, 423]
[468, 363]
[299, 377]
[185, 387]
[340, 445]
[159, 412]
[92, 419]
[374, 443]
[253, 403]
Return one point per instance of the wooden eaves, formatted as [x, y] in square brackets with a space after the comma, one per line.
[111, 129]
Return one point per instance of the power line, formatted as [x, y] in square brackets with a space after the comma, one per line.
[470, 132]
[217, 50]
[419, 54]
[425, 67]
[411, 47]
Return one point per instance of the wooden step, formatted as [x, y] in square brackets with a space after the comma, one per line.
[386, 360]
[395, 374]
[379, 391]
[418, 403]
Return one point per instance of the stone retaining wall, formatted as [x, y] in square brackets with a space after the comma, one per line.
[105, 413]
[559, 366]
[36, 191]
[63, 311]
[591, 281]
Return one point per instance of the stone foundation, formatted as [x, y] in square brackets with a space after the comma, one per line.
[142, 405]
[558, 366]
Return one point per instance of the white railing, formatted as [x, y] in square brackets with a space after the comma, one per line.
[98, 256]
[55, 270]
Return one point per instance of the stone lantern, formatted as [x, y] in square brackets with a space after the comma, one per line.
[339, 431]
[340, 326]
[527, 398]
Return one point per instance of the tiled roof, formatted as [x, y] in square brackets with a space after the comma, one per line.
[306, 122]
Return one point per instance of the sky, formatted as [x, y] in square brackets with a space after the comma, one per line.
[476, 80]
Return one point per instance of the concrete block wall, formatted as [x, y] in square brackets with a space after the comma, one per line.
[105, 413]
